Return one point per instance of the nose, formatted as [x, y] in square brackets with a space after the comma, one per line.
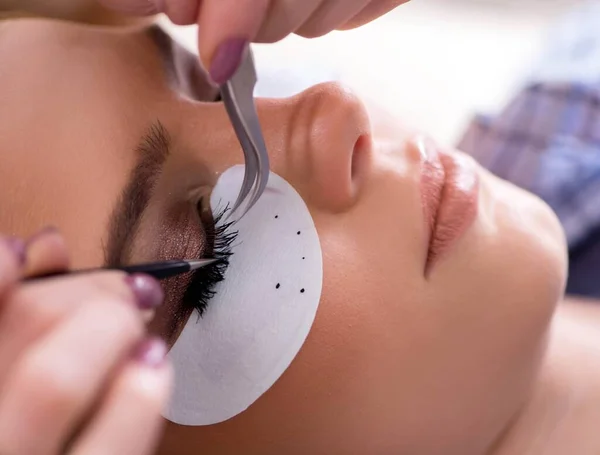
[318, 140]
[328, 146]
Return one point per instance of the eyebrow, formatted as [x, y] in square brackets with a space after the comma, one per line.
[151, 152]
[124, 221]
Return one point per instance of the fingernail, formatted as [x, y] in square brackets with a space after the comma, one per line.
[146, 289]
[227, 59]
[48, 230]
[18, 247]
[151, 352]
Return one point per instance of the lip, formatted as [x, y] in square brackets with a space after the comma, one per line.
[449, 195]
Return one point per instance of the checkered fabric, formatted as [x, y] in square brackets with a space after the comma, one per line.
[547, 140]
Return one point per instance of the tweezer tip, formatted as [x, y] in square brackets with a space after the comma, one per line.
[197, 264]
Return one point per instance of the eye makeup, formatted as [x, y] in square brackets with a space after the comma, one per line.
[260, 313]
[219, 239]
[192, 233]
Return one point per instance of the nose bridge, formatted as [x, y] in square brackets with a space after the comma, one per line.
[204, 134]
[275, 116]
[207, 132]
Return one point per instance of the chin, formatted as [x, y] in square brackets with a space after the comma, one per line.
[544, 256]
[512, 266]
[528, 258]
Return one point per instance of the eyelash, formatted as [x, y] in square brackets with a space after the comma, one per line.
[201, 289]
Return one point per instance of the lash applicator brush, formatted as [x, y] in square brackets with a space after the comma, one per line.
[167, 269]
[159, 270]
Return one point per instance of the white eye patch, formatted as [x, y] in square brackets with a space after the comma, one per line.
[261, 314]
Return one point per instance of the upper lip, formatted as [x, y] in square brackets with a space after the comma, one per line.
[433, 181]
[449, 192]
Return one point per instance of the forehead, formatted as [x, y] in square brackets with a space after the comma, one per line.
[76, 88]
[35, 50]
[74, 101]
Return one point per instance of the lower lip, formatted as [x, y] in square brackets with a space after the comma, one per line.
[450, 188]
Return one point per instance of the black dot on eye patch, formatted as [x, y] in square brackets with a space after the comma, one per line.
[303, 258]
[302, 290]
[298, 232]
[276, 216]
[278, 285]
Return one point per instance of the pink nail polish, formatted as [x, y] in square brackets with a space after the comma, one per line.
[147, 290]
[151, 352]
[227, 59]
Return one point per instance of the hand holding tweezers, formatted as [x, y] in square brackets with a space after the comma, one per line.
[238, 96]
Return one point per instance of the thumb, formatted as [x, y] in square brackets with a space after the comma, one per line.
[226, 28]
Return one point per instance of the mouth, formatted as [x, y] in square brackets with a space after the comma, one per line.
[449, 194]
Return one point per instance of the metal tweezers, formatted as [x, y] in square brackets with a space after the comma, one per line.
[238, 96]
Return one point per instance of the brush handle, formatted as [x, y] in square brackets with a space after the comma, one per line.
[159, 270]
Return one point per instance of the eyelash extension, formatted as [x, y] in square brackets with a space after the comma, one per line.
[201, 288]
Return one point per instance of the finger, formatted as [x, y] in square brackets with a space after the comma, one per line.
[285, 17]
[12, 259]
[134, 7]
[226, 27]
[181, 12]
[58, 379]
[35, 308]
[371, 12]
[129, 421]
[46, 253]
[330, 15]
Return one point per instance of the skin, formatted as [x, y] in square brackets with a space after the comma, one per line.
[469, 352]
[86, 11]
[101, 390]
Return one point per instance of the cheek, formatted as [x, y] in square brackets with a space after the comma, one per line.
[357, 366]
[493, 304]
[505, 277]
[531, 249]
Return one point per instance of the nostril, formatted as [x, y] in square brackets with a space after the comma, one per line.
[338, 146]
[360, 155]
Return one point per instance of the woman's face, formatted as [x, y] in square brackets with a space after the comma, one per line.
[415, 335]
